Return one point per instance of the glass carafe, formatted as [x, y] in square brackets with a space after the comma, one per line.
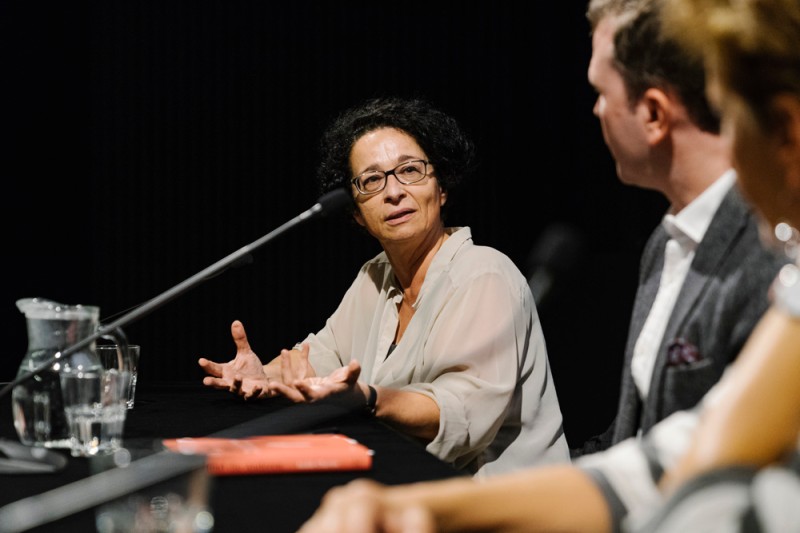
[38, 410]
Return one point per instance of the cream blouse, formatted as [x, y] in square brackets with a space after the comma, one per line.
[474, 345]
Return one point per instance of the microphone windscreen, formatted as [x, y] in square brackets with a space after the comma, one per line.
[333, 201]
[558, 249]
[556, 253]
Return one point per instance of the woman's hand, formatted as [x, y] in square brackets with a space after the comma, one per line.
[243, 375]
[299, 384]
[366, 506]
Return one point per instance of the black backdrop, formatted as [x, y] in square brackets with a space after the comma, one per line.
[143, 141]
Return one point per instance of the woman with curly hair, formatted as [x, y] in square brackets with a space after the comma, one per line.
[436, 336]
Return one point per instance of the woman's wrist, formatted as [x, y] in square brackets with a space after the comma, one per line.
[371, 405]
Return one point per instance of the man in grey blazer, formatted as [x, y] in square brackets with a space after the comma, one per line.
[704, 274]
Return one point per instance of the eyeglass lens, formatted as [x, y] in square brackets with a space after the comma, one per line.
[406, 173]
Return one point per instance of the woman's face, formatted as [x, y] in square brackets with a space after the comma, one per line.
[399, 213]
[755, 156]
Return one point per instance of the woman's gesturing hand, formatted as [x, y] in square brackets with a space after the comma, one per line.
[243, 375]
[299, 383]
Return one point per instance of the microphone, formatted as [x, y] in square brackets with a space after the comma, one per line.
[555, 253]
[327, 203]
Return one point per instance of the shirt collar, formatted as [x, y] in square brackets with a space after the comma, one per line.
[445, 254]
[442, 259]
[692, 222]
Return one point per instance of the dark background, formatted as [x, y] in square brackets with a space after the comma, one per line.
[143, 141]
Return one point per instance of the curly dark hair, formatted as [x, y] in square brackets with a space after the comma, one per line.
[448, 148]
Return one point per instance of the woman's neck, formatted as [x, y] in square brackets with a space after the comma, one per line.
[411, 264]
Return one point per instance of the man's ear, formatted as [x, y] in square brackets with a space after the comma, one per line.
[786, 109]
[657, 108]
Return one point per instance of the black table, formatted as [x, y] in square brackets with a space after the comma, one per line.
[261, 502]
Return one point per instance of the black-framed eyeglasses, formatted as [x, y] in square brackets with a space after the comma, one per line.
[407, 172]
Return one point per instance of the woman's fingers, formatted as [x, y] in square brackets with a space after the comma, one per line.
[289, 372]
[290, 392]
[236, 383]
[217, 383]
[239, 337]
[210, 367]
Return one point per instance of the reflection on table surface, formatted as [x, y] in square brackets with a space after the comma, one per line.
[258, 502]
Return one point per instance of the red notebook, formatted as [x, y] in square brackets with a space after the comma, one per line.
[277, 453]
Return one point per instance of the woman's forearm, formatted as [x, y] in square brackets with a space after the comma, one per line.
[756, 418]
[409, 412]
[547, 498]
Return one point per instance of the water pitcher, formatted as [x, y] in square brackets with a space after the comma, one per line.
[37, 406]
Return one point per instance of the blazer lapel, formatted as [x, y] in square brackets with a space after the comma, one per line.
[727, 225]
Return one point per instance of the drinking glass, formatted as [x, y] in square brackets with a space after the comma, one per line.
[95, 405]
[109, 357]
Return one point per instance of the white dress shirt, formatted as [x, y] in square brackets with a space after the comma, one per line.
[686, 229]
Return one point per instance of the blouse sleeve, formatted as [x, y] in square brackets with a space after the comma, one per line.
[333, 345]
[473, 359]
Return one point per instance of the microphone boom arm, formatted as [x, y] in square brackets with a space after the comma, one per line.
[326, 203]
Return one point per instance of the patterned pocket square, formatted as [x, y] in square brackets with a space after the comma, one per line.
[682, 352]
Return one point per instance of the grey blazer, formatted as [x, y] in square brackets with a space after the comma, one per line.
[725, 293]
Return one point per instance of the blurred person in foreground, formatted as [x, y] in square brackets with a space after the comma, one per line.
[436, 336]
[742, 470]
[704, 272]
[751, 417]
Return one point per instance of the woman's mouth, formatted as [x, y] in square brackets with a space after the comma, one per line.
[399, 216]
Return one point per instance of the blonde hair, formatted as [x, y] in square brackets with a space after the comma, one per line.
[750, 47]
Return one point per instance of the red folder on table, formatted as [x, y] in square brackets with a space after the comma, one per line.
[276, 453]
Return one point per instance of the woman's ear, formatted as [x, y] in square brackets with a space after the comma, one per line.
[442, 196]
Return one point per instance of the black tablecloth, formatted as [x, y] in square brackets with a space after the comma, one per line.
[263, 502]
